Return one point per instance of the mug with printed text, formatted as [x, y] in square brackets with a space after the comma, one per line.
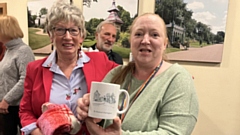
[104, 98]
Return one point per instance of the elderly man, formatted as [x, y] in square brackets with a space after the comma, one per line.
[106, 36]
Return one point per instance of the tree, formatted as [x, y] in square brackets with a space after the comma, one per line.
[126, 18]
[190, 26]
[88, 2]
[219, 38]
[43, 11]
[91, 26]
[203, 32]
[31, 20]
[170, 10]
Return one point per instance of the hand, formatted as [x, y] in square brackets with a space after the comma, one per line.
[36, 131]
[82, 107]
[4, 107]
[95, 129]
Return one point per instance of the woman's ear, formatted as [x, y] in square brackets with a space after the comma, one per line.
[166, 42]
[51, 36]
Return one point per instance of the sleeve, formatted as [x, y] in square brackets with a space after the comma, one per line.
[118, 59]
[115, 57]
[28, 129]
[111, 74]
[26, 114]
[16, 92]
[109, 64]
[177, 114]
[177, 111]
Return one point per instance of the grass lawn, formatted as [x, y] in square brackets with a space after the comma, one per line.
[88, 43]
[196, 44]
[37, 41]
[123, 52]
[169, 50]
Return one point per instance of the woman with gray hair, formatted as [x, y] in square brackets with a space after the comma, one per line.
[65, 75]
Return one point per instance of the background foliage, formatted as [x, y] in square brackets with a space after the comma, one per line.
[197, 34]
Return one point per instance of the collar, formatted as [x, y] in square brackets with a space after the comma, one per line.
[13, 43]
[51, 60]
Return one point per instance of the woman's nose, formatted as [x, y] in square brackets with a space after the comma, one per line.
[145, 39]
[67, 35]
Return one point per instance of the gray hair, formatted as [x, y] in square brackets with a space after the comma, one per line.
[99, 27]
[62, 11]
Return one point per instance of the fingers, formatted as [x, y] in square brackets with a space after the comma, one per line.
[115, 127]
[86, 99]
[4, 111]
[96, 120]
[93, 128]
[82, 108]
[117, 123]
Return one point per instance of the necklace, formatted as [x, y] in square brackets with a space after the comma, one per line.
[140, 90]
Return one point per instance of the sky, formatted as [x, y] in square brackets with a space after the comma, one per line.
[93, 11]
[209, 12]
[36, 5]
[100, 9]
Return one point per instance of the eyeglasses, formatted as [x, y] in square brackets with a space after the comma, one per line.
[62, 31]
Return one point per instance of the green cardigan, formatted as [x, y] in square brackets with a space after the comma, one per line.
[167, 106]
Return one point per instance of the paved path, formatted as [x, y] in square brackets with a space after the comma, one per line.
[211, 53]
[44, 50]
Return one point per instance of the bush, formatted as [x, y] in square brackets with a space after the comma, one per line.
[123, 52]
[90, 37]
[125, 42]
[175, 44]
[124, 39]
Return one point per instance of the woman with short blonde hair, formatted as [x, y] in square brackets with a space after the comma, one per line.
[12, 72]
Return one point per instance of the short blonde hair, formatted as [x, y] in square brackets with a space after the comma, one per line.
[62, 11]
[150, 14]
[9, 27]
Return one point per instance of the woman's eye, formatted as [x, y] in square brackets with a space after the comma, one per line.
[138, 34]
[74, 30]
[60, 29]
[155, 35]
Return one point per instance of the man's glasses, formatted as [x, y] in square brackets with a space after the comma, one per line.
[62, 31]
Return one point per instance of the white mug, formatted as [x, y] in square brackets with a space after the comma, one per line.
[104, 98]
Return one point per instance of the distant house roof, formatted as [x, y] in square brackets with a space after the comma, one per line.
[113, 16]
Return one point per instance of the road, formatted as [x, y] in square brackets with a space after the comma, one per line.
[210, 53]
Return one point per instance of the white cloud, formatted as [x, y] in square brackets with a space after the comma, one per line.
[207, 17]
[221, 27]
[195, 5]
[204, 17]
[222, 1]
[215, 29]
[99, 9]
[35, 5]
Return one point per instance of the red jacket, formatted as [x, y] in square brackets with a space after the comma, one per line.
[2, 50]
[38, 83]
